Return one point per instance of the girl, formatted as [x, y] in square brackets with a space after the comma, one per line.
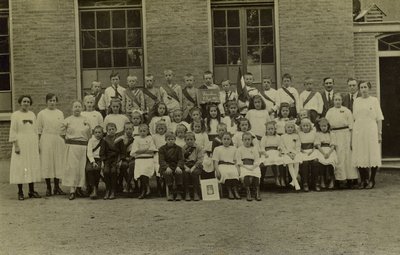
[303, 114]
[341, 121]
[180, 135]
[143, 149]
[325, 143]
[212, 121]
[95, 118]
[258, 115]
[309, 156]
[221, 130]
[367, 135]
[291, 151]
[224, 164]
[283, 117]
[177, 119]
[248, 161]
[115, 116]
[25, 160]
[160, 113]
[195, 114]
[232, 116]
[199, 132]
[76, 132]
[159, 140]
[243, 126]
[270, 147]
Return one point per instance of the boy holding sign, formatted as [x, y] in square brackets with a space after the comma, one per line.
[204, 96]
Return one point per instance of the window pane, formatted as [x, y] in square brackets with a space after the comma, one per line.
[220, 56]
[266, 17]
[5, 82]
[219, 19]
[118, 18]
[119, 58]
[233, 18]
[89, 59]
[3, 26]
[119, 38]
[103, 39]
[103, 19]
[267, 54]
[134, 18]
[252, 17]
[234, 37]
[4, 47]
[135, 57]
[4, 4]
[233, 55]
[267, 36]
[104, 58]
[219, 37]
[87, 20]
[134, 38]
[253, 55]
[253, 37]
[5, 63]
[88, 40]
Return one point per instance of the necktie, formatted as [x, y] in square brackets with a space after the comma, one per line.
[116, 91]
[226, 97]
[329, 99]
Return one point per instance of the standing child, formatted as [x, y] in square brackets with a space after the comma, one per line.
[99, 103]
[133, 97]
[248, 161]
[171, 94]
[208, 84]
[189, 97]
[242, 127]
[201, 136]
[128, 162]
[288, 94]
[311, 100]
[95, 117]
[93, 163]
[137, 119]
[251, 91]
[232, 117]
[111, 155]
[160, 113]
[177, 119]
[143, 150]
[283, 118]
[224, 164]
[224, 96]
[258, 115]
[195, 114]
[180, 133]
[270, 96]
[291, 150]
[212, 121]
[171, 165]
[221, 130]
[159, 140]
[115, 116]
[151, 96]
[115, 91]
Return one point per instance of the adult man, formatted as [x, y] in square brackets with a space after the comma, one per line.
[327, 95]
[348, 98]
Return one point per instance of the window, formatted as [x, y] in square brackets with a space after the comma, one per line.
[5, 60]
[111, 39]
[243, 36]
[389, 43]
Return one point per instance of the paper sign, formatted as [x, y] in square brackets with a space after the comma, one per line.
[208, 96]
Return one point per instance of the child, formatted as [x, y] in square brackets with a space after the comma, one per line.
[171, 94]
[311, 100]
[248, 161]
[257, 116]
[195, 114]
[95, 118]
[325, 143]
[291, 150]
[271, 147]
[137, 119]
[133, 97]
[309, 156]
[232, 117]
[177, 119]
[302, 114]
[115, 91]
[270, 96]
[288, 94]
[143, 149]
[242, 127]
[224, 96]
[93, 163]
[160, 113]
[208, 84]
[244, 105]
[201, 136]
[193, 157]
[189, 97]
[212, 120]
[224, 164]
[171, 165]
[111, 154]
[150, 93]
[283, 117]
[99, 102]
[115, 116]
[180, 133]
[159, 140]
[221, 130]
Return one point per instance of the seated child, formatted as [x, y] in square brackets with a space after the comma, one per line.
[243, 126]
[177, 119]
[128, 163]
[171, 165]
[232, 116]
[291, 151]
[93, 163]
[160, 112]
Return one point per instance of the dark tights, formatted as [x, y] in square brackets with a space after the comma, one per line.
[93, 178]
[56, 183]
[31, 189]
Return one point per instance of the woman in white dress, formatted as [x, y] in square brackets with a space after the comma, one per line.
[52, 146]
[25, 160]
[367, 135]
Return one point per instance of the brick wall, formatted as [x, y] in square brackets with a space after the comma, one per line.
[5, 146]
[316, 40]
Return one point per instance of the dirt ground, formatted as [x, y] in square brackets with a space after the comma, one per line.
[330, 222]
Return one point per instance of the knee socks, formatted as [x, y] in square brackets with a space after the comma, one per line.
[373, 173]
[90, 177]
[20, 188]
[247, 181]
[56, 183]
[256, 182]
[48, 184]
[31, 187]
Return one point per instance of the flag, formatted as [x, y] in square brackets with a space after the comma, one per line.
[243, 95]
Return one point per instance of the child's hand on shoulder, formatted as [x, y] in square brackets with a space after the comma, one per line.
[187, 169]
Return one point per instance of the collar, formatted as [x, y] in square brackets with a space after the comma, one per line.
[354, 95]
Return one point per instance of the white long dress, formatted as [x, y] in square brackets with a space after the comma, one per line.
[52, 146]
[25, 166]
[291, 143]
[306, 138]
[366, 148]
[272, 145]
[327, 139]
[144, 163]
[226, 154]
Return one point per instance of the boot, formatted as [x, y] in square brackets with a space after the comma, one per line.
[107, 195]
[371, 183]
[143, 194]
[258, 197]
[112, 195]
[282, 174]
[196, 196]
[248, 197]
[323, 186]
[170, 196]
[331, 184]
[93, 195]
[187, 195]
[305, 187]
[236, 192]
[178, 195]
[229, 188]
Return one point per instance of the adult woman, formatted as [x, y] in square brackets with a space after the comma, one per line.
[367, 135]
[52, 146]
[76, 131]
[25, 160]
[341, 121]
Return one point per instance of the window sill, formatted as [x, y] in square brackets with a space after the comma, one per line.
[5, 116]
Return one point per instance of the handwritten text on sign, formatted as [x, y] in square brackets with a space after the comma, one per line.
[208, 95]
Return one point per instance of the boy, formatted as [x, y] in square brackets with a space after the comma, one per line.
[114, 91]
[348, 98]
[193, 157]
[171, 164]
[270, 96]
[208, 84]
[244, 106]
[189, 98]
[224, 96]
[111, 153]
[93, 163]
[288, 94]
[99, 103]
[171, 94]
[133, 97]
[151, 94]
[311, 100]
[177, 119]
[327, 96]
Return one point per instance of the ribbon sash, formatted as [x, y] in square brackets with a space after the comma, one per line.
[188, 96]
[310, 96]
[170, 91]
[290, 94]
[132, 97]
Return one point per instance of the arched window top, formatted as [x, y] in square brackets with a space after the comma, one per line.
[389, 43]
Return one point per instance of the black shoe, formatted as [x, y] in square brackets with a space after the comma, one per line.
[21, 196]
[48, 192]
[58, 191]
[72, 196]
[79, 193]
[34, 194]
